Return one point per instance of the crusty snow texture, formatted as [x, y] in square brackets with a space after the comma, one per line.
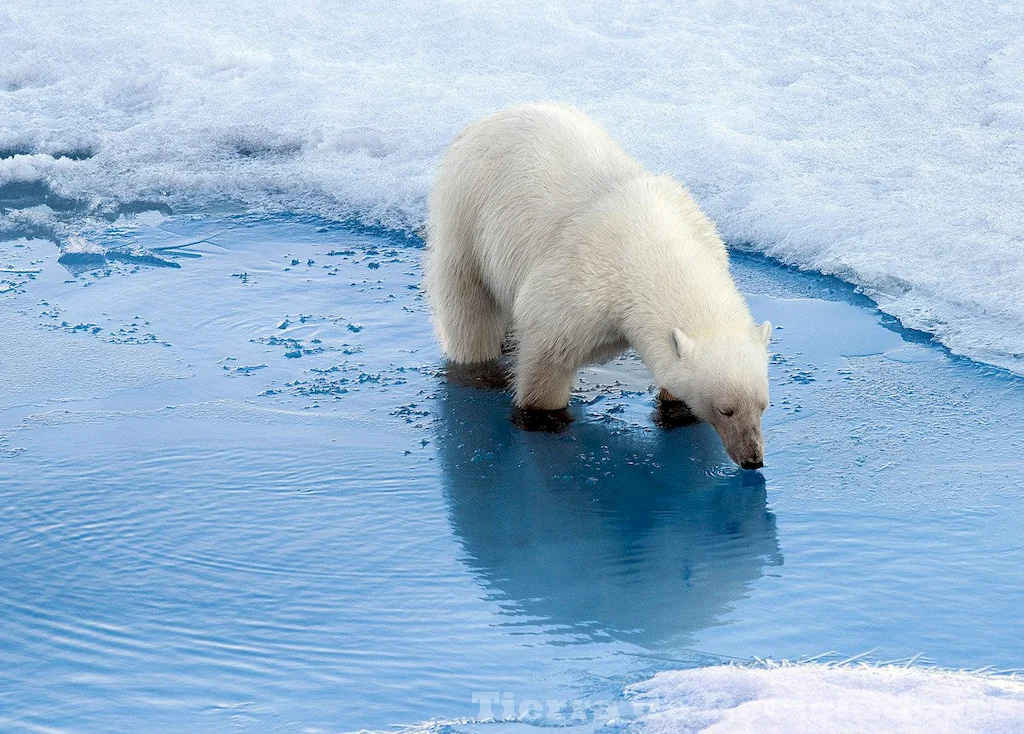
[879, 142]
[828, 699]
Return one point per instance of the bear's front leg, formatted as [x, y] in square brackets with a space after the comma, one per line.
[672, 412]
[542, 386]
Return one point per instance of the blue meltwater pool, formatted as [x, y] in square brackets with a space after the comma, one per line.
[238, 490]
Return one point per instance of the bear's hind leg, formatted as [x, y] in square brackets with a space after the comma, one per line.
[470, 324]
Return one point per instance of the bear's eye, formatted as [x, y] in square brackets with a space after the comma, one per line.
[727, 412]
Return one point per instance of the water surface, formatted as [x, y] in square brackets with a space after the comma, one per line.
[241, 492]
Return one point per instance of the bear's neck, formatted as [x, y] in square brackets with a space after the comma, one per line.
[701, 301]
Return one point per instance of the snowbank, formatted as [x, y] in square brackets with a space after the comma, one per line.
[828, 698]
[880, 143]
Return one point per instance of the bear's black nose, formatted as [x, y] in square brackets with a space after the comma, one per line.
[751, 465]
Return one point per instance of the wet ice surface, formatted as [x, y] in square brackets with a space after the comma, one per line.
[240, 492]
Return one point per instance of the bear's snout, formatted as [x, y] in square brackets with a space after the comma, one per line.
[744, 446]
[752, 456]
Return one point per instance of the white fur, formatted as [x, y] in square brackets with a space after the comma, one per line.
[541, 224]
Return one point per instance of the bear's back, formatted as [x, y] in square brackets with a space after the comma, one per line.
[515, 179]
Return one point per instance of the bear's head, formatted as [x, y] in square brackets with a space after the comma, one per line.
[724, 381]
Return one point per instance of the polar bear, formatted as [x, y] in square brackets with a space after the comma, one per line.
[542, 228]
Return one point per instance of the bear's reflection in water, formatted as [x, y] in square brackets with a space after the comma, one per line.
[597, 533]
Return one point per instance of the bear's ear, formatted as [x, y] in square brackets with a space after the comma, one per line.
[764, 332]
[685, 346]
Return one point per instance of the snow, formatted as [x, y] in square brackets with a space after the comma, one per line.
[877, 142]
[827, 698]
